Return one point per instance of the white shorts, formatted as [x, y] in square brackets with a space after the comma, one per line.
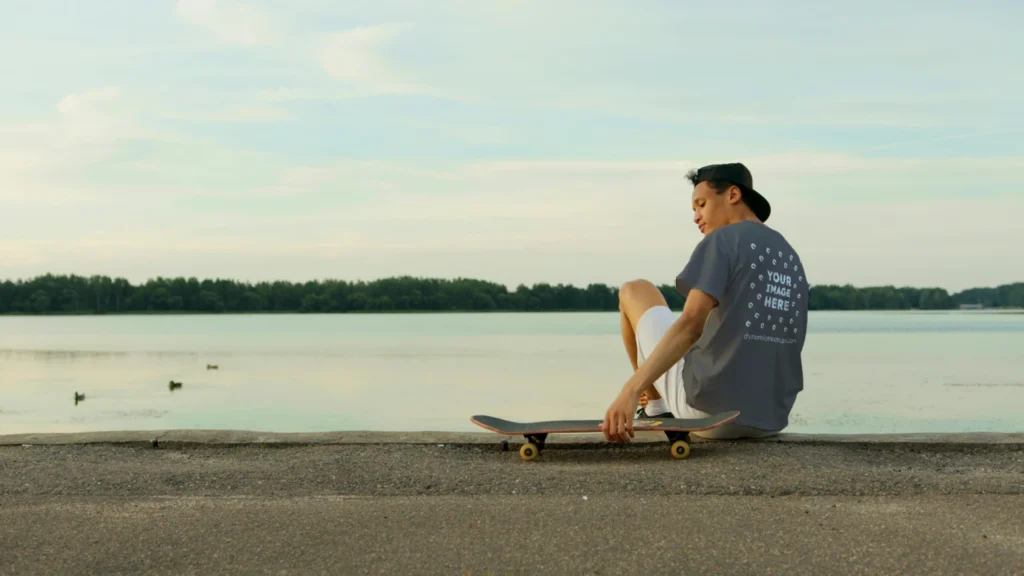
[649, 330]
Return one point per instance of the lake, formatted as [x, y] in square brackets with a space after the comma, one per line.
[865, 372]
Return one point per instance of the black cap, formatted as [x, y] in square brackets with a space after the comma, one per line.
[738, 174]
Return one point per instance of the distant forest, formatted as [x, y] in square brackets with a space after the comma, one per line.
[51, 294]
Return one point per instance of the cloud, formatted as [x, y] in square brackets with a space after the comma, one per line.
[229, 21]
[463, 132]
[89, 118]
[35, 157]
[610, 221]
[359, 57]
[302, 180]
[87, 101]
[853, 219]
[242, 114]
[583, 166]
[279, 95]
[22, 254]
[92, 132]
[802, 71]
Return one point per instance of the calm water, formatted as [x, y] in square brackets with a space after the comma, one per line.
[865, 372]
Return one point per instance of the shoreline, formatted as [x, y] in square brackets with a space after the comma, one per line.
[995, 310]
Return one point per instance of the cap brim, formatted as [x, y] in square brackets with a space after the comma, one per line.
[757, 203]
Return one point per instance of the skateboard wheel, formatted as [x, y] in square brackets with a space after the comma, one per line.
[680, 449]
[529, 452]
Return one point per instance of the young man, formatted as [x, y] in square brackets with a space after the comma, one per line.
[737, 343]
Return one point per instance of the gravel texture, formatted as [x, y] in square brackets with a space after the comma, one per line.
[730, 508]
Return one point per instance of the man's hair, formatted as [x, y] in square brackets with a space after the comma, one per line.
[719, 186]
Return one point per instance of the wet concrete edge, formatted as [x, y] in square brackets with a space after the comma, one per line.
[243, 437]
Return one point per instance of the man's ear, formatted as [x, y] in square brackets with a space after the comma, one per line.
[735, 194]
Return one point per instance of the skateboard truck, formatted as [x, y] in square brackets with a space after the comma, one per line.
[534, 444]
[680, 443]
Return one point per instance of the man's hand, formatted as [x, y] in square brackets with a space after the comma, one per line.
[677, 340]
[618, 420]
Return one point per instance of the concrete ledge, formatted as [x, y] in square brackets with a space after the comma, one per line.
[236, 437]
[230, 437]
[918, 438]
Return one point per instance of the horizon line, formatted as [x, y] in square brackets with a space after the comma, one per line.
[509, 287]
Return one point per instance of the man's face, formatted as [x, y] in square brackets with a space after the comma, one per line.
[711, 210]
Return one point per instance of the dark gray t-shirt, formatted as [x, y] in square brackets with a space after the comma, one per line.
[748, 358]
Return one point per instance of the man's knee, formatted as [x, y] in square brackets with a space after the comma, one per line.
[635, 290]
[637, 297]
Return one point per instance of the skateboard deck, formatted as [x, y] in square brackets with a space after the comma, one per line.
[677, 430]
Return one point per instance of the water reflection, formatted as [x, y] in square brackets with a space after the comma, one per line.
[865, 372]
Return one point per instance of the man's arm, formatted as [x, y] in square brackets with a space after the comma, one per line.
[677, 341]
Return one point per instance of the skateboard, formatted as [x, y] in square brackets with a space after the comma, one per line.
[677, 429]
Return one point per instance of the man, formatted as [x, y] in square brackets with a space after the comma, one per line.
[738, 341]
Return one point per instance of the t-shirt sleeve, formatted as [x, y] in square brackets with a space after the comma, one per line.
[708, 269]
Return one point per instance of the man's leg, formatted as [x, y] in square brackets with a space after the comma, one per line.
[636, 298]
[628, 338]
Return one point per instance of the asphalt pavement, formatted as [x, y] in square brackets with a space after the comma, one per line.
[950, 506]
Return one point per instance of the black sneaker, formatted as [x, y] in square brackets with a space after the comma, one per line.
[641, 414]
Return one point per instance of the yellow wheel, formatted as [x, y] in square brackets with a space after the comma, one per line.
[529, 452]
[680, 449]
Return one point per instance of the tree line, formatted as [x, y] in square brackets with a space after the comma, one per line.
[71, 294]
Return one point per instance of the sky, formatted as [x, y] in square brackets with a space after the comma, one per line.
[512, 141]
